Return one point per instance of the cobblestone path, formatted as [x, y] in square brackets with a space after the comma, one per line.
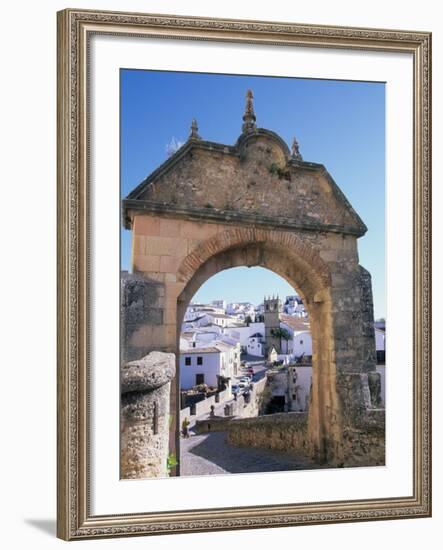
[207, 454]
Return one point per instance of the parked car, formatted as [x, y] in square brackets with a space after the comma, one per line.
[246, 380]
[235, 389]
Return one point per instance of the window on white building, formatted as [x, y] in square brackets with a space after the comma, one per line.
[187, 361]
[199, 360]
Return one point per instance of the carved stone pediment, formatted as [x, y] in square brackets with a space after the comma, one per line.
[253, 180]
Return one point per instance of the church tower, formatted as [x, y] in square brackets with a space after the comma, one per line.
[273, 308]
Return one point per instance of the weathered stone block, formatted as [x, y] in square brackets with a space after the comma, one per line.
[195, 230]
[148, 373]
[145, 390]
[166, 246]
[138, 245]
[169, 264]
[169, 228]
[146, 225]
[146, 264]
[140, 310]
[374, 382]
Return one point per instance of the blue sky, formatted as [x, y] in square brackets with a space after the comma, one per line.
[340, 124]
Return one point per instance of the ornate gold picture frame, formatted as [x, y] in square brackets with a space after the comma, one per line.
[75, 516]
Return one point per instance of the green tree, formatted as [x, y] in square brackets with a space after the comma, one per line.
[281, 334]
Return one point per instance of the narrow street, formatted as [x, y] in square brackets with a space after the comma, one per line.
[258, 364]
[209, 454]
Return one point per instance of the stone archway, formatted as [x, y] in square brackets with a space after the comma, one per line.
[301, 265]
[212, 206]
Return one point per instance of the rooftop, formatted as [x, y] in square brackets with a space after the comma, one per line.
[295, 323]
[199, 351]
[220, 316]
[215, 347]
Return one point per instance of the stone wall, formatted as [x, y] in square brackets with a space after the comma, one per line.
[368, 349]
[145, 389]
[234, 409]
[215, 424]
[202, 407]
[282, 432]
[364, 441]
[141, 315]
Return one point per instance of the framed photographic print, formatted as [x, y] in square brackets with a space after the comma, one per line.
[244, 274]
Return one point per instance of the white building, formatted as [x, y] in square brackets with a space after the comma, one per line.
[220, 319]
[256, 345]
[241, 333]
[380, 345]
[195, 338]
[197, 310]
[220, 305]
[294, 306]
[241, 309]
[300, 342]
[207, 363]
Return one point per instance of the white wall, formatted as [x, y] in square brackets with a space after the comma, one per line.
[304, 377]
[243, 333]
[206, 337]
[210, 368]
[380, 336]
[255, 347]
[301, 343]
[28, 121]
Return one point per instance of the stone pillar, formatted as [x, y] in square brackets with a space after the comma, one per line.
[142, 316]
[368, 351]
[145, 390]
[358, 383]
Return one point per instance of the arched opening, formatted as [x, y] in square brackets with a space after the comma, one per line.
[300, 265]
[248, 328]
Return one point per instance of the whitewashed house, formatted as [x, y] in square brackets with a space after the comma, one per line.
[300, 342]
[220, 319]
[207, 363]
[255, 344]
[241, 333]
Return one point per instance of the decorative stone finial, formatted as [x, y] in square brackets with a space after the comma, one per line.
[295, 152]
[249, 116]
[194, 130]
